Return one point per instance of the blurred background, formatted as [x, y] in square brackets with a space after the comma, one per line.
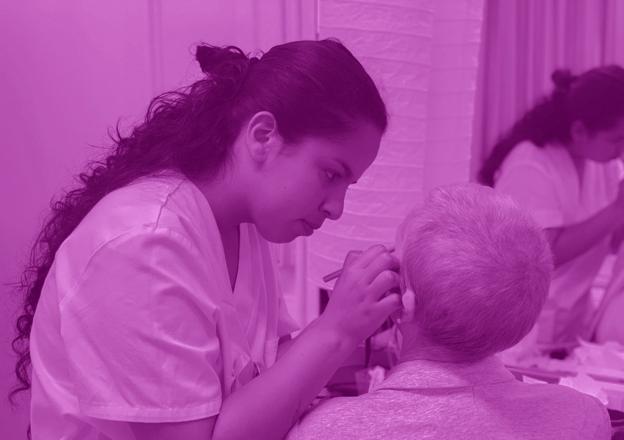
[454, 74]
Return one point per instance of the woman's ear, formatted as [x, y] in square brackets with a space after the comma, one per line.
[578, 132]
[262, 137]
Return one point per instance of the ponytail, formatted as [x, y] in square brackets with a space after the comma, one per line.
[183, 130]
[546, 122]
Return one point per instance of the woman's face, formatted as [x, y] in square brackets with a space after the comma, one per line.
[604, 145]
[307, 182]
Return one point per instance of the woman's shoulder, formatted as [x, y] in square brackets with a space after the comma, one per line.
[550, 159]
[527, 151]
[156, 202]
[140, 202]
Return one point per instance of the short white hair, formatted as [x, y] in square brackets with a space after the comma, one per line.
[479, 268]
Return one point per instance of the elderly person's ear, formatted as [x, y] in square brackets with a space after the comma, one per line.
[409, 303]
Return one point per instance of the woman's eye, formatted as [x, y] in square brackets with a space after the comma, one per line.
[330, 175]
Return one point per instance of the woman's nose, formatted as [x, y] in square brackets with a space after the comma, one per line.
[334, 206]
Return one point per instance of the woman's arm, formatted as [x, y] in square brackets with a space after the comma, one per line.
[568, 242]
[284, 344]
[191, 430]
[617, 239]
[269, 405]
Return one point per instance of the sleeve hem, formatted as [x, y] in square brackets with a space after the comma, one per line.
[153, 415]
[547, 218]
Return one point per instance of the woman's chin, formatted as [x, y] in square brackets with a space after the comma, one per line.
[279, 236]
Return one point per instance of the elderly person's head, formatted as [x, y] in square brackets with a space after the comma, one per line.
[479, 269]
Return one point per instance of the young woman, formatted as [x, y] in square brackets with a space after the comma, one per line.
[152, 309]
[561, 162]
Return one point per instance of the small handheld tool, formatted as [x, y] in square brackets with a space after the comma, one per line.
[335, 274]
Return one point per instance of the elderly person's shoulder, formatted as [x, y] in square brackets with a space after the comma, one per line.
[573, 411]
[330, 419]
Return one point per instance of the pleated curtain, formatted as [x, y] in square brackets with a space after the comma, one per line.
[524, 41]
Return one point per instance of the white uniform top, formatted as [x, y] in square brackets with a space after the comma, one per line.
[137, 320]
[544, 181]
[611, 326]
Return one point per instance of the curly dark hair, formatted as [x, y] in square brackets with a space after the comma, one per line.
[596, 98]
[313, 88]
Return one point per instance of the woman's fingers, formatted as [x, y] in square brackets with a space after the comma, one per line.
[351, 258]
[357, 262]
[383, 261]
[357, 307]
[389, 304]
[383, 283]
[370, 254]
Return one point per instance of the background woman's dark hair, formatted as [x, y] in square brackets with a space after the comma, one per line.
[313, 88]
[596, 98]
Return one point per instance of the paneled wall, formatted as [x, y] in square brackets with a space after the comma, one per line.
[423, 54]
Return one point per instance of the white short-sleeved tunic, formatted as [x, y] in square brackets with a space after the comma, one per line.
[611, 326]
[137, 320]
[544, 181]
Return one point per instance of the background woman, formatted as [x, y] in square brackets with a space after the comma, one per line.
[560, 162]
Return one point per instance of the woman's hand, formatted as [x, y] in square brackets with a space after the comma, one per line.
[618, 204]
[617, 239]
[359, 304]
[569, 241]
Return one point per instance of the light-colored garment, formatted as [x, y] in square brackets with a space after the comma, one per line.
[544, 181]
[137, 320]
[611, 325]
[433, 400]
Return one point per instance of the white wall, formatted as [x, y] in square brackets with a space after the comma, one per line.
[423, 55]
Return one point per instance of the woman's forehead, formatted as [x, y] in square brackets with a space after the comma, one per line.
[355, 149]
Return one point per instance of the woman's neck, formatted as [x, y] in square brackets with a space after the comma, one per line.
[225, 202]
[578, 158]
